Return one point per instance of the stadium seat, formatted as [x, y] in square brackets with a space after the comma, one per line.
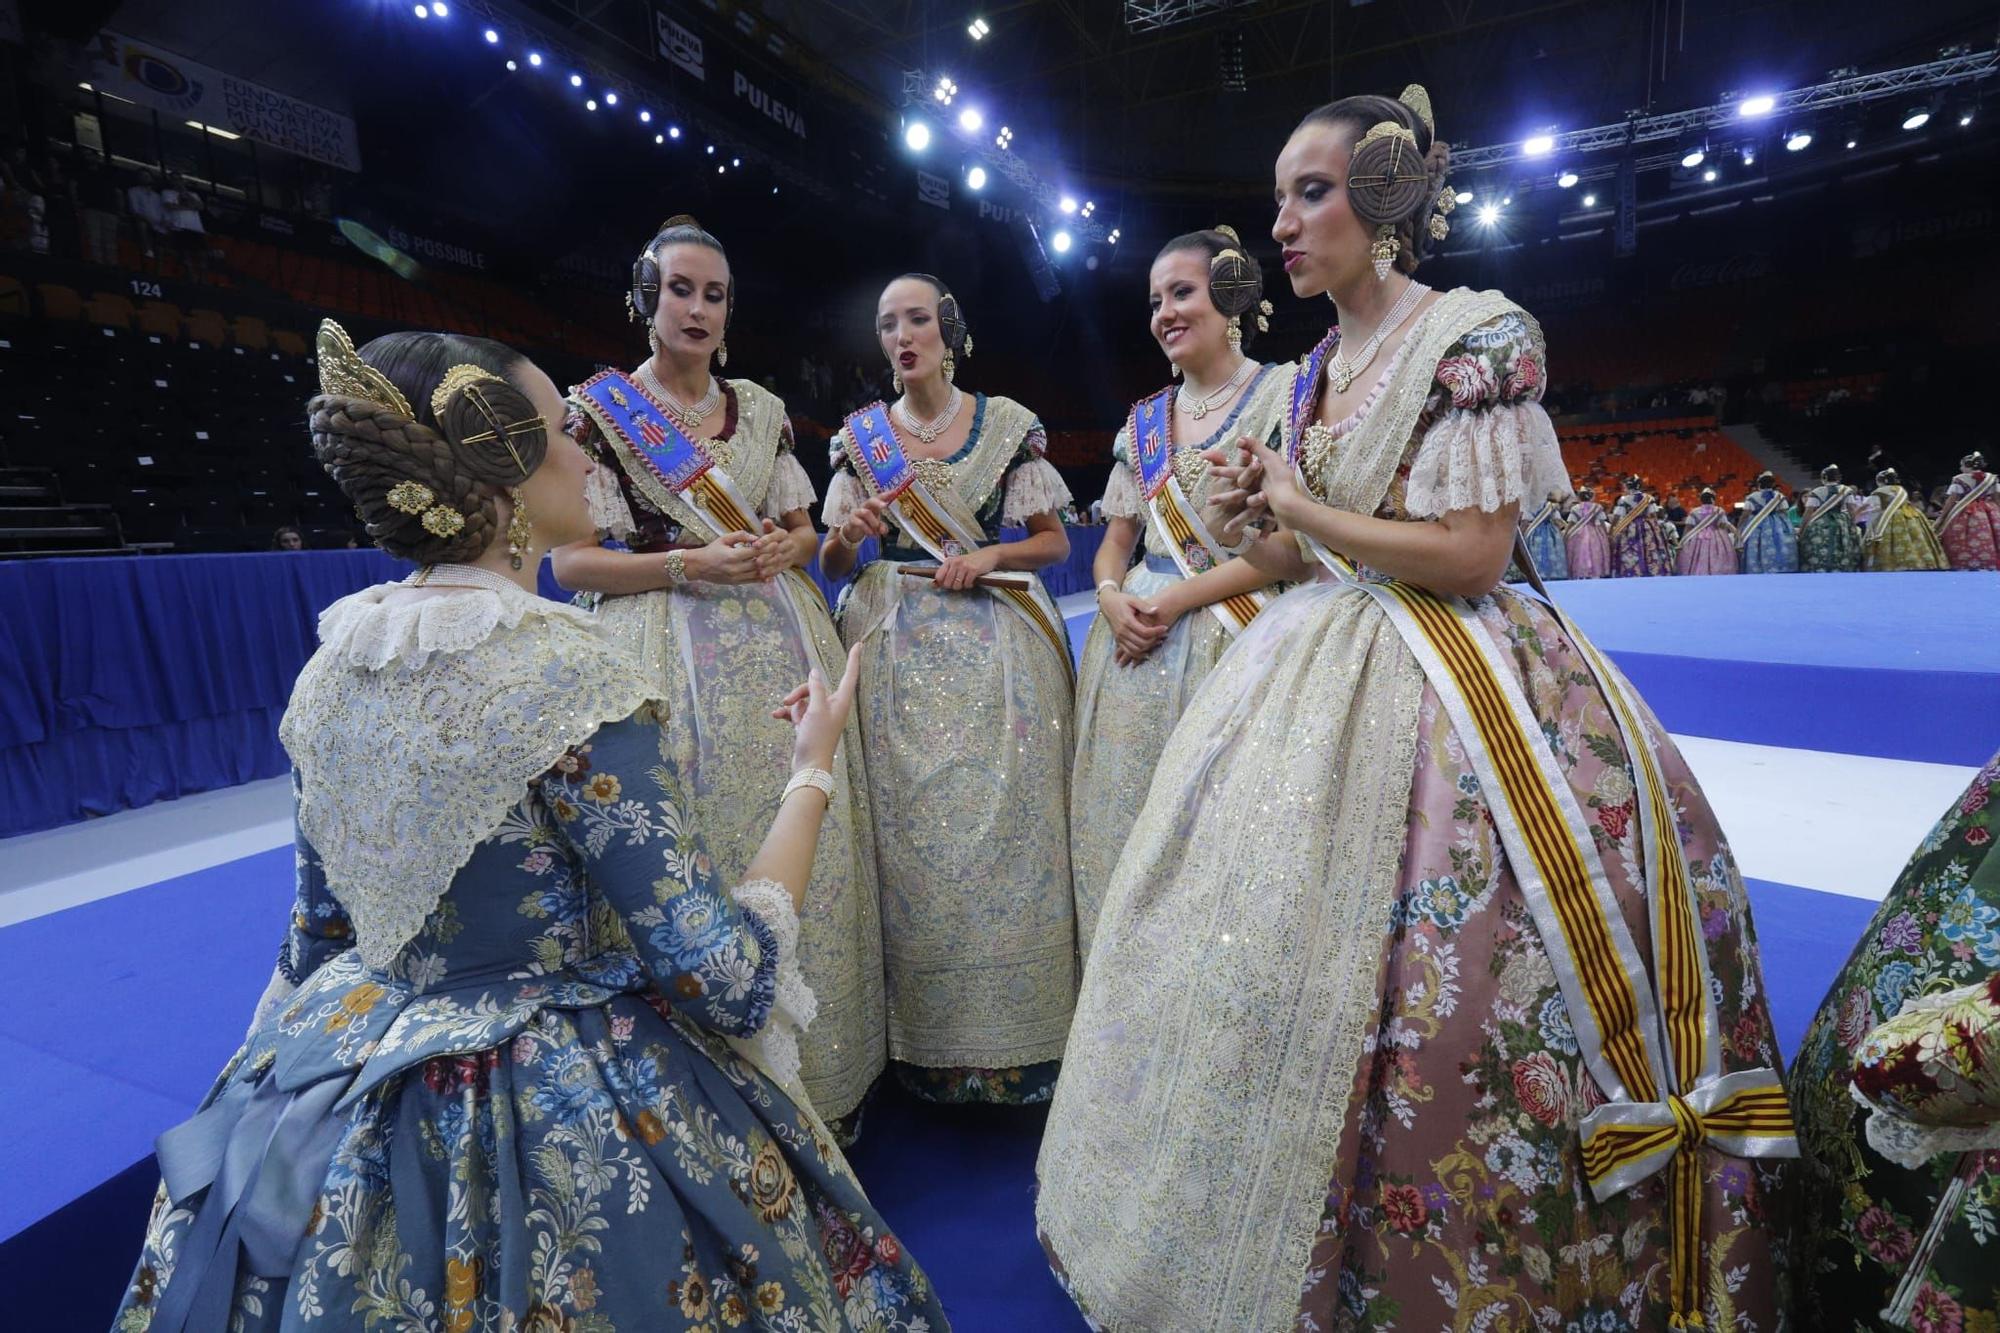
[291, 344]
[208, 326]
[59, 302]
[162, 318]
[13, 297]
[109, 309]
[251, 332]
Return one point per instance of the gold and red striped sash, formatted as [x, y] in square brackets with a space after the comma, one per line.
[1653, 1047]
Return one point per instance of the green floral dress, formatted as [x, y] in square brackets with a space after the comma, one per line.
[1867, 1221]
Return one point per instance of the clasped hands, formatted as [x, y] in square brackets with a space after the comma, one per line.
[1250, 482]
[743, 557]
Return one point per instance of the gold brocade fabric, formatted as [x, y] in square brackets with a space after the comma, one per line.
[1124, 714]
[1231, 985]
[965, 708]
[722, 655]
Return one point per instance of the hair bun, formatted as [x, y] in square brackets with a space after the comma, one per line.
[370, 450]
[1387, 177]
[1234, 282]
[681, 220]
[495, 432]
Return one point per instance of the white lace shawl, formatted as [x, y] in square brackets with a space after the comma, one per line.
[1486, 457]
[418, 726]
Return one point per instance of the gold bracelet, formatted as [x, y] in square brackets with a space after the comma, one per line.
[677, 567]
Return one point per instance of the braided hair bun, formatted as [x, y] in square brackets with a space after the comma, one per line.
[423, 480]
[1396, 167]
[1235, 280]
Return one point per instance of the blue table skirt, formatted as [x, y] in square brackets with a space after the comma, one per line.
[128, 681]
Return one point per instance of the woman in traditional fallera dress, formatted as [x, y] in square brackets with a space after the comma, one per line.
[1829, 541]
[1639, 544]
[1158, 630]
[716, 606]
[1542, 530]
[527, 1061]
[1897, 1089]
[1969, 527]
[965, 711]
[1895, 533]
[1709, 546]
[1333, 1062]
[1587, 542]
[1768, 542]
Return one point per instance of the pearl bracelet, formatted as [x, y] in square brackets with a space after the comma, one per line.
[818, 779]
[677, 567]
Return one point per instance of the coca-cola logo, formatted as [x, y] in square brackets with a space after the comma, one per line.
[1721, 272]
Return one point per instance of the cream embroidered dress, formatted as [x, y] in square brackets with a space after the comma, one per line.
[965, 712]
[525, 1061]
[1124, 714]
[1322, 1073]
[722, 655]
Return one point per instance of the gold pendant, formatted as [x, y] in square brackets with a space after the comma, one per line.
[1342, 376]
[1198, 410]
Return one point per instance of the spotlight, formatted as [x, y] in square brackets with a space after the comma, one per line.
[423, 11]
[1115, 234]
[590, 104]
[673, 131]
[1964, 119]
[576, 80]
[511, 67]
[1798, 141]
[916, 136]
[970, 120]
[945, 90]
[1061, 242]
[535, 59]
[492, 37]
[1506, 199]
[1694, 157]
[645, 117]
[975, 178]
[1749, 156]
[774, 189]
[1567, 179]
[720, 169]
[735, 161]
[1488, 214]
[659, 138]
[1539, 145]
[437, 8]
[1068, 204]
[1465, 196]
[1590, 201]
[1763, 104]
[1708, 177]
[1852, 142]
[611, 99]
[711, 150]
[977, 30]
[1005, 139]
[1917, 118]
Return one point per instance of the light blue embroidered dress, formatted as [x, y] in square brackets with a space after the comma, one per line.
[524, 1061]
[1772, 547]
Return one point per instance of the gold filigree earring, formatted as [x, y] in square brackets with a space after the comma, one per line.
[1383, 253]
[653, 339]
[950, 367]
[520, 531]
[896, 378]
[1177, 368]
[1235, 334]
[722, 354]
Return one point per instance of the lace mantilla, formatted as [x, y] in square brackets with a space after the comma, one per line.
[402, 774]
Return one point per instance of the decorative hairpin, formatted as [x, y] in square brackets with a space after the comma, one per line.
[415, 498]
[470, 380]
[343, 372]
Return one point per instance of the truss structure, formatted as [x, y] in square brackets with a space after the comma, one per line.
[1151, 15]
[1910, 81]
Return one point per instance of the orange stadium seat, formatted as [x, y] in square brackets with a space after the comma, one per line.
[58, 301]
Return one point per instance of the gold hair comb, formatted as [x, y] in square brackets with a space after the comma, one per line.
[343, 372]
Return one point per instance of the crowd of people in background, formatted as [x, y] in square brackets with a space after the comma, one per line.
[1826, 528]
[82, 209]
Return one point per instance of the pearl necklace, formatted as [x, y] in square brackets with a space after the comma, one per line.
[929, 431]
[1201, 407]
[461, 576]
[690, 415]
[1342, 370]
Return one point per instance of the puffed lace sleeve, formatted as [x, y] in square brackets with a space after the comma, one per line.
[609, 513]
[1930, 1076]
[1121, 488]
[843, 494]
[790, 488]
[1491, 443]
[1033, 485]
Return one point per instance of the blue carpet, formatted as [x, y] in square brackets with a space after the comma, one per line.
[124, 1010]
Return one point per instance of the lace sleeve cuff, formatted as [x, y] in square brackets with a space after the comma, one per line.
[775, 1047]
[608, 511]
[1486, 457]
[843, 497]
[790, 487]
[1034, 488]
[1121, 493]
